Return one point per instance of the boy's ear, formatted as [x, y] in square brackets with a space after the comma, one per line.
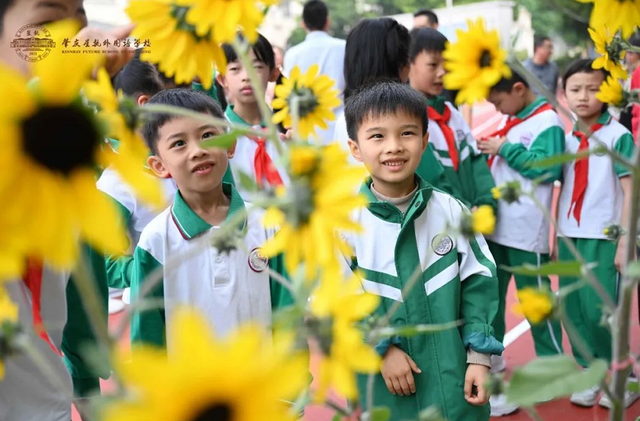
[232, 150]
[275, 73]
[519, 88]
[157, 166]
[355, 150]
[425, 141]
[221, 79]
[143, 99]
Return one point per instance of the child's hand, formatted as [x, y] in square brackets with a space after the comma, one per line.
[397, 372]
[286, 137]
[492, 145]
[620, 253]
[476, 376]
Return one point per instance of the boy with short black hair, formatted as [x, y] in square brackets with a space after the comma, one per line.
[387, 123]
[531, 131]
[254, 156]
[596, 193]
[228, 287]
[468, 176]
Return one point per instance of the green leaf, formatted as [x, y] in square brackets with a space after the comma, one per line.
[553, 268]
[224, 141]
[633, 270]
[633, 387]
[559, 159]
[247, 182]
[430, 414]
[409, 331]
[337, 417]
[380, 413]
[548, 378]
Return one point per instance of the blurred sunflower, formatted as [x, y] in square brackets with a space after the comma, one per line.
[316, 100]
[178, 50]
[240, 379]
[611, 52]
[223, 18]
[611, 92]
[52, 147]
[120, 116]
[483, 220]
[337, 306]
[475, 62]
[615, 14]
[318, 202]
[535, 304]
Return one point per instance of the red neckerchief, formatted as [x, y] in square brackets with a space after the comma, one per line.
[581, 174]
[442, 120]
[512, 122]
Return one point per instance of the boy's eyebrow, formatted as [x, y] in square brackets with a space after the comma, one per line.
[45, 4]
[374, 129]
[174, 135]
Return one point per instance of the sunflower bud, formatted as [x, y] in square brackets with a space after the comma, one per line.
[509, 192]
[613, 232]
[481, 221]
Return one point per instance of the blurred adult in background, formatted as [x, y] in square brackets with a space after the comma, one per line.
[425, 18]
[318, 48]
[541, 66]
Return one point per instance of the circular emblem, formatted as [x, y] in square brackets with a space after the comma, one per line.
[442, 244]
[600, 149]
[258, 262]
[460, 134]
[33, 42]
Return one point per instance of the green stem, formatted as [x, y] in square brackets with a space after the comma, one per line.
[417, 273]
[533, 413]
[589, 276]
[25, 346]
[206, 118]
[621, 321]
[340, 410]
[575, 336]
[241, 49]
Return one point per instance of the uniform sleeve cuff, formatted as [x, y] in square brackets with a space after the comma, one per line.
[474, 357]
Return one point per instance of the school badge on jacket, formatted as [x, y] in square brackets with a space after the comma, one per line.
[258, 262]
[442, 244]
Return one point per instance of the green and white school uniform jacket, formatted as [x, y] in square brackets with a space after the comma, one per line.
[136, 215]
[472, 182]
[243, 159]
[228, 289]
[458, 282]
[521, 224]
[603, 199]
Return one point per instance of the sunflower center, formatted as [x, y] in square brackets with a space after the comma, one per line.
[322, 330]
[216, 412]
[485, 58]
[61, 139]
[299, 210]
[307, 100]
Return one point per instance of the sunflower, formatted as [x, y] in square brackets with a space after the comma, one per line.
[240, 379]
[475, 62]
[120, 116]
[336, 307]
[534, 304]
[483, 220]
[178, 50]
[316, 100]
[316, 204]
[611, 50]
[615, 14]
[52, 145]
[223, 18]
[611, 92]
[8, 319]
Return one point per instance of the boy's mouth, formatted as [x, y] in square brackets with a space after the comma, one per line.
[248, 90]
[394, 164]
[204, 168]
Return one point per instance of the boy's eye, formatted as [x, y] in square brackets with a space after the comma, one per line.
[178, 143]
[207, 135]
[408, 133]
[376, 136]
